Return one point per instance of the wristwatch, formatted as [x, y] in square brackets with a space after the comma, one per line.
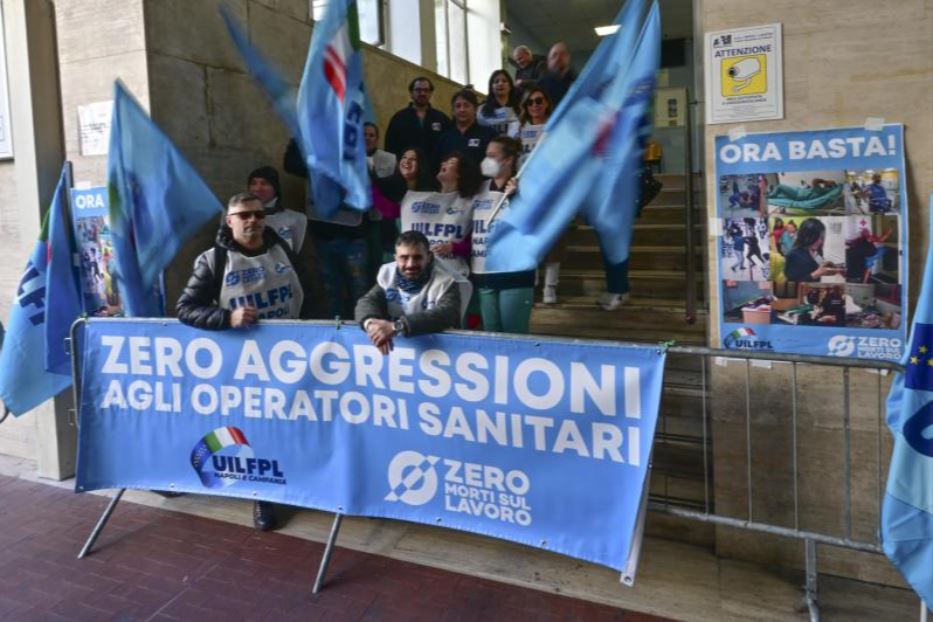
[399, 327]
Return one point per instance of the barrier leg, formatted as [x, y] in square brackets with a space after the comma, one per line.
[811, 589]
[101, 523]
[328, 551]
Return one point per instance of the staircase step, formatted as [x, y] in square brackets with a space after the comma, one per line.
[669, 212]
[641, 257]
[668, 285]
[632, 323]
[663, 234]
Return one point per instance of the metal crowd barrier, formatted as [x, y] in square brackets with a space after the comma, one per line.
[745, 514]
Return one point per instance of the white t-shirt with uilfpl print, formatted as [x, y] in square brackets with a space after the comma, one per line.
[484, 204]
[442, 217]
[503, 120]
[530, 135]
[267, 282]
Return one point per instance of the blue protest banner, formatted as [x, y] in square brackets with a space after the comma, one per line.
[542, 443]
[812, 241]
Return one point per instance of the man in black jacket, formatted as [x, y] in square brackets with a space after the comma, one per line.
[417, 125]
[250, 274]
[560, 74]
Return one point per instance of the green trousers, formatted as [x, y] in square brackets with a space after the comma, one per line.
[506, 310]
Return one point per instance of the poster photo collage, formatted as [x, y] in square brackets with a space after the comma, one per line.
[812, 248]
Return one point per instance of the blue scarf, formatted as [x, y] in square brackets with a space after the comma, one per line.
[413, 286]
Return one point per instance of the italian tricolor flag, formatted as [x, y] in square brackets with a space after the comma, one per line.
[225, 437]
[346, 41]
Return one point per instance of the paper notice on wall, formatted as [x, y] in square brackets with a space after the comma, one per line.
[744, 75]
[6, 130]
[94, 127]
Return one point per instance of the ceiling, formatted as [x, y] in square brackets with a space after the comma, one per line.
[572, 21]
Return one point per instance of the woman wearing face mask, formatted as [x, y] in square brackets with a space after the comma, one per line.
[500, 110]
[536, 110]
[466, 135]
[505, 298]
[445, 217]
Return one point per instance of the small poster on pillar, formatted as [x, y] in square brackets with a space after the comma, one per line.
[812, 242]
[95, 249]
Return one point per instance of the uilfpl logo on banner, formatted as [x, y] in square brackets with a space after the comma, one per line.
[746, 339]
[224, 456]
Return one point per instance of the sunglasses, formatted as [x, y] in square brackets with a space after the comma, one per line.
[537, 101]
[246, 215]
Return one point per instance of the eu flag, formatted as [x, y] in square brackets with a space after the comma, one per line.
[62, 279]
[24, 381]
[332, 105]
[157, 201]
[919, 374]
[907, 512]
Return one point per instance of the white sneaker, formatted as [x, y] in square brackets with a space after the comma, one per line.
[550, 295]
[611, 302]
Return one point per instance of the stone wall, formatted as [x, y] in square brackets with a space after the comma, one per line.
[833, 76]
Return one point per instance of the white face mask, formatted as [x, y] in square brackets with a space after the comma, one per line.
[490, 167]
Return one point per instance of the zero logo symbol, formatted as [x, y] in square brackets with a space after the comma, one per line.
[412, 478]
[841, 345]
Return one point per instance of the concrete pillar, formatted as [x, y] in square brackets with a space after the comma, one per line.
[36, 116]
[428, 35]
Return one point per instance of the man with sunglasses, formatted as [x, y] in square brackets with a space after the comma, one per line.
[250, 274]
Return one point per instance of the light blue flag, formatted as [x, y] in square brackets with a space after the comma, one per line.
[907, 513]
[609, 60]
[62, 280]
[157, 201]
[278, 90]
[581, 163]
[552, 187]
[332, 106]
[24, 382]
[615, 202]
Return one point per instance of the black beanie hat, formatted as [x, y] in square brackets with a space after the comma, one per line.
[270, 175]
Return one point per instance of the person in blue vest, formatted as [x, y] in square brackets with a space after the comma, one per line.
[250, 274]
[877, 196]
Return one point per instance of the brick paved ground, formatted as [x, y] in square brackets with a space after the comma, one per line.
[153, 564]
